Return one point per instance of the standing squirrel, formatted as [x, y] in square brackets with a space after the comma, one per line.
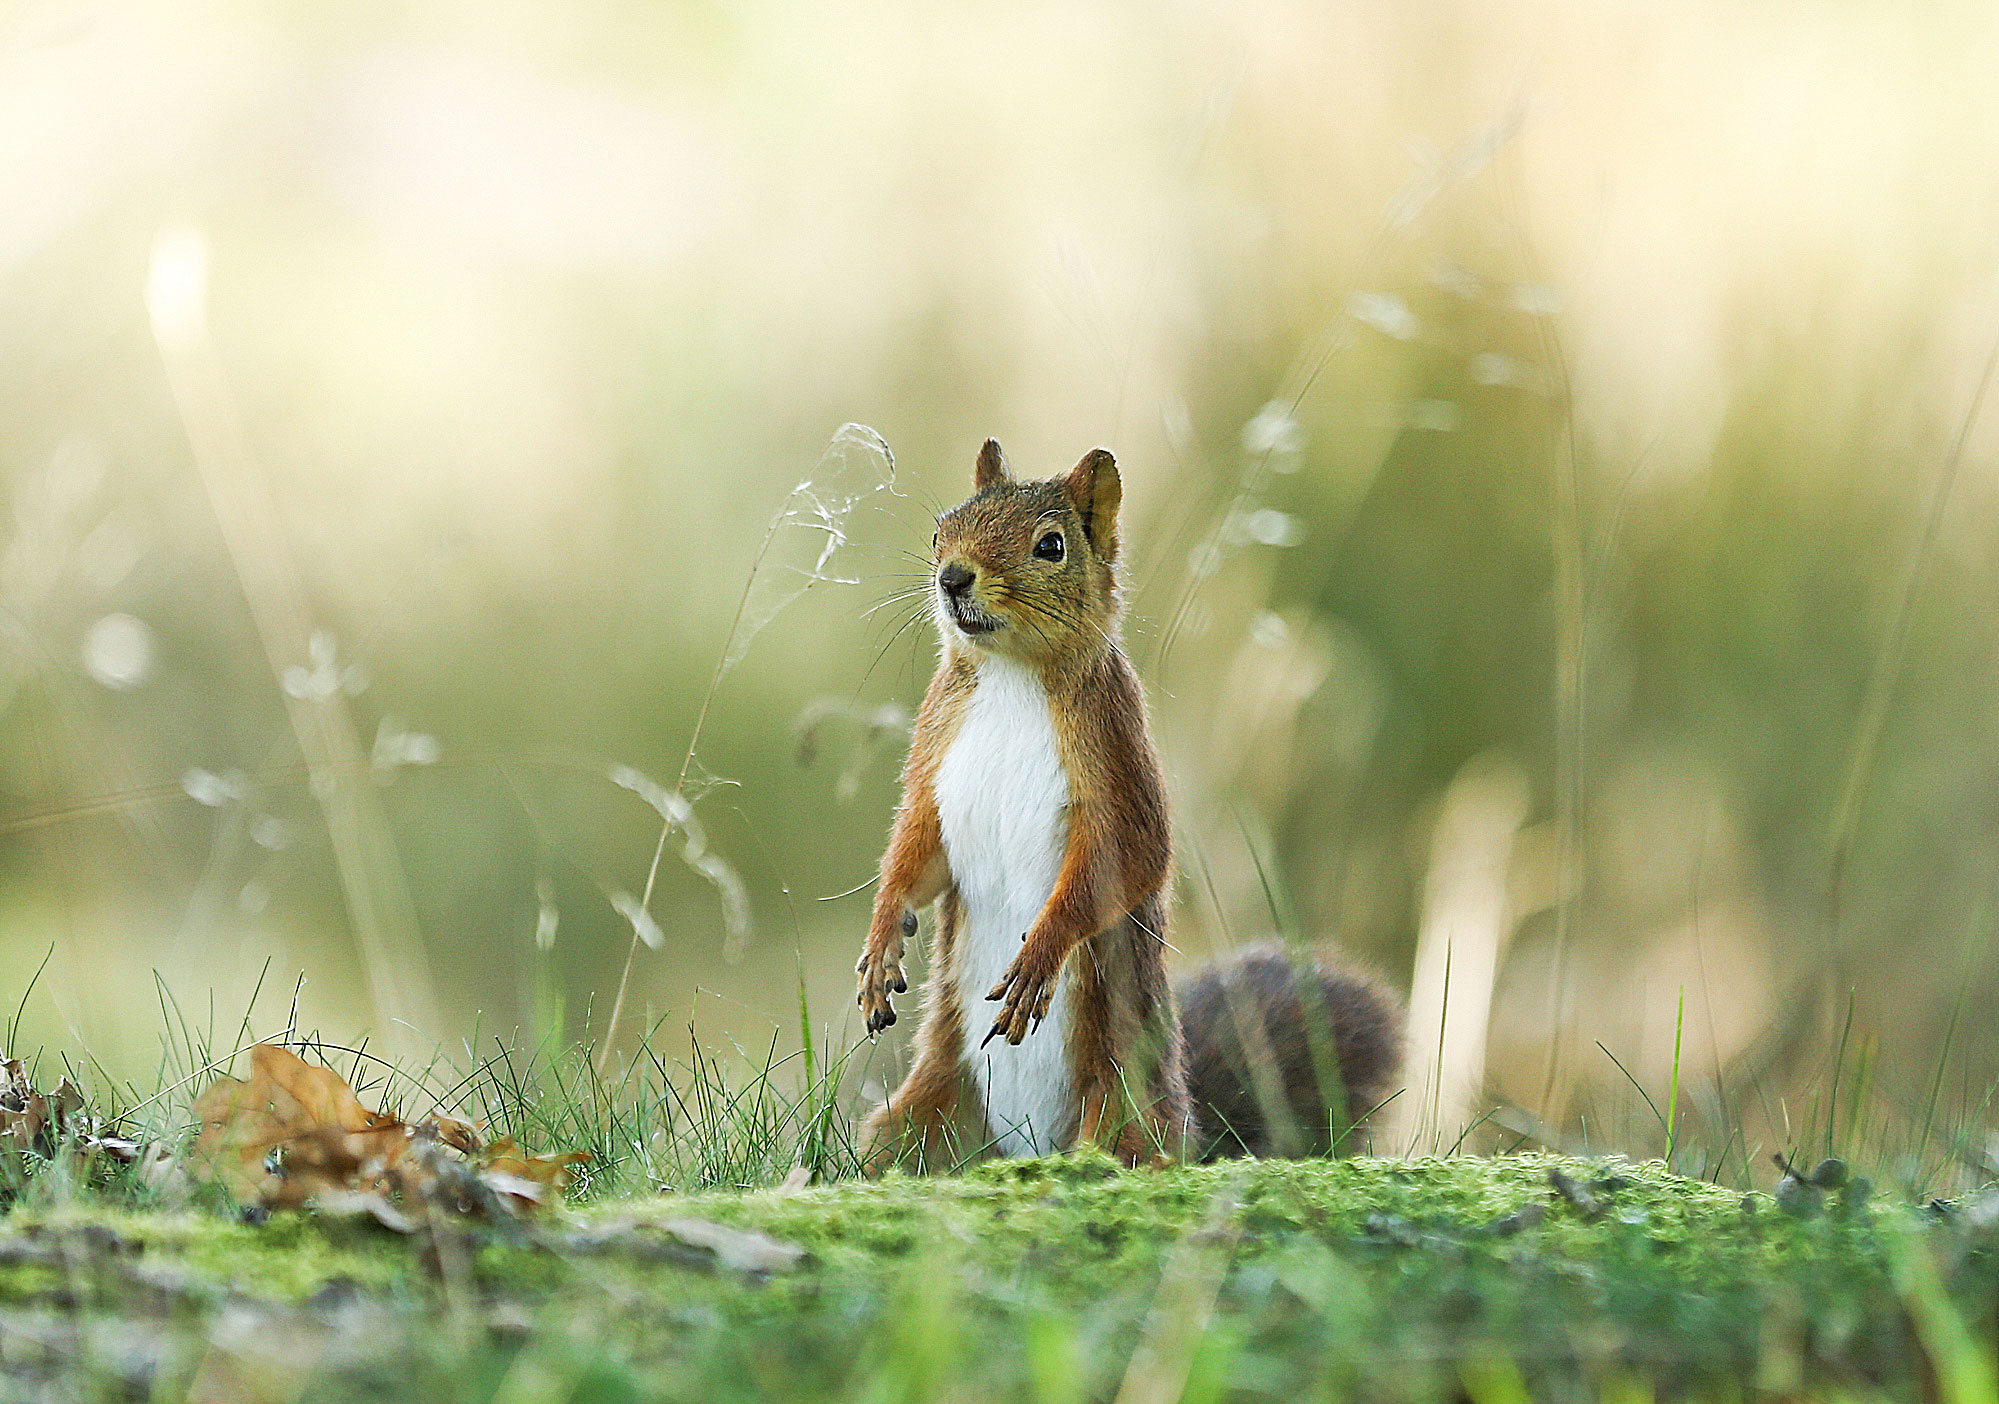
[1034, 814]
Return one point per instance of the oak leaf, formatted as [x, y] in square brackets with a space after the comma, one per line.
[44, 1126]
[24, 1112]
[551, 1174]
[324, 1139]
[294, 1133]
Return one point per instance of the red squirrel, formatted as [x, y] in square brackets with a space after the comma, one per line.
[1034, 815]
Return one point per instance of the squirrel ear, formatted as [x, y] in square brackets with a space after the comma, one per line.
[991, 467]
[1094, 491]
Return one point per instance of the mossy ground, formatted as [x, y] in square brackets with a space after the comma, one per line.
[1062, 1279]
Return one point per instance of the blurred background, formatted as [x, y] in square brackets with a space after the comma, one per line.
[1559, 514]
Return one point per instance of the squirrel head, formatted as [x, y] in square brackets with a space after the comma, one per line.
[1029, 569]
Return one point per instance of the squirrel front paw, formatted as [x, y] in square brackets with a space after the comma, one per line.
[1027, 987]
[880, 969]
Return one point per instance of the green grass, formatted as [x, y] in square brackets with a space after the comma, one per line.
[1059, 1279]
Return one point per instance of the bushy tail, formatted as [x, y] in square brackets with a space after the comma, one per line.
[1286, 1055]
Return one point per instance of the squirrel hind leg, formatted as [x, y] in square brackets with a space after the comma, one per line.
[1151, 1137]
[1287, 1052]
[918, 1125]
[916, 1128]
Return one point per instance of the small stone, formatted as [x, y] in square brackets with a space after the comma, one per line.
[694, 1243]
[107, 1242]
[509, 1321]
[1579, 1198]
[334, 1293]
[1525, 1217]
[1982, 1214]
[1799, 1198]
[1392, 1228]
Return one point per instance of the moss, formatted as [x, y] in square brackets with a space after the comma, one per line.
[1074, 1207]
[27, 1282]
[286, 1258]
[1334, 1272]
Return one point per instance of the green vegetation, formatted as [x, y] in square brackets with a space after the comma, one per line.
[1062, 1279]
[1507, 1277]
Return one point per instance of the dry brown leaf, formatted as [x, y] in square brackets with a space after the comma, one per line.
[553, 1173]
[21, 1127]
[332, 1151]
[327, 1140]
[24, 1112]
[55, 1125]
[67, 1100]
[459, 1135]
[515, 1194]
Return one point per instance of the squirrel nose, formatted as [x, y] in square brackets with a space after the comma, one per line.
[955, 578]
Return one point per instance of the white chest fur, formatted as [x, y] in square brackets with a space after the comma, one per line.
[1003, 800]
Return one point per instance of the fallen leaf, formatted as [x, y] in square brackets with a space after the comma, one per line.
[738, 1250]
[459, 1135]
[38, 1127]
[325, 1139]
[67, 1100]
[160, 1171]
[554, 1173]
[24, 1112]
[360, 1204]
[516, 1192]
[695, 1243]
[295, 1134]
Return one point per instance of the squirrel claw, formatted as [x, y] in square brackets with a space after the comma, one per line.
[881, 976]
[1009, 1026]
[1028, 995]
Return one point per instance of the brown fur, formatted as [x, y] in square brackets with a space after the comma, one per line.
[1106, 917]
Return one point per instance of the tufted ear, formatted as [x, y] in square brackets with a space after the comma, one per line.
[1094, 491]
[991, 467]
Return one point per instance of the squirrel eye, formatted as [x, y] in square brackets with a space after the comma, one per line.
[1049, 547]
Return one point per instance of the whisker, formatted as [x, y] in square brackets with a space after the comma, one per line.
[907, 611]
[1076, 613]
[882, 652]
[899, 597]
[1040, 631]
[1083, 613]
[1034, 606]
